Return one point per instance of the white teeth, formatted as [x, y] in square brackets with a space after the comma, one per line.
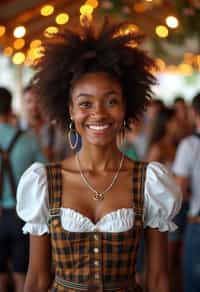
[99, 127]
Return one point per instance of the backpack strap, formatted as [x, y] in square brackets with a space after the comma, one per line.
[54, 179]
[139, 173]
[6, 166]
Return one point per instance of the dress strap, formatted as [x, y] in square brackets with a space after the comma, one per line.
[54, 179]
[139, 173]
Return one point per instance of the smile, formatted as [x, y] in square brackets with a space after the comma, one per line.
[99, 127]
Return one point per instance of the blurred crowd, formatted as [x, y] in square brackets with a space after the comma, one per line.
[169, 135]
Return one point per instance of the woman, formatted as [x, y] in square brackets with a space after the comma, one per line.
[85, 214]
[163, 143]
[163, 137]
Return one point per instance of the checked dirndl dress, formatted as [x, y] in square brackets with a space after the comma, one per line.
[94, 261]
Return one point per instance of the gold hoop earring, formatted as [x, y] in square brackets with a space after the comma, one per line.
[71, 133]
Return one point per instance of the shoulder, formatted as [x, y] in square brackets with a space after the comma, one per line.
[32, 174]
[162, 197]
[32, 199]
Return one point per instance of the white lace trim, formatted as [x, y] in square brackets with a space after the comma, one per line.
[116, 221]
[35, 228]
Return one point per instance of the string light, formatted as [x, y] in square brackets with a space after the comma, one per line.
[19, 44]
[35, 53]
[172, 21]
[93, 3]
[35, 44]
[19, 31]
[62, 18]
[2, 30]
[162, 31]
[8, 51]
[185, 69]
[50, 31]
[18, 58]
[86, 9]
[47, 10]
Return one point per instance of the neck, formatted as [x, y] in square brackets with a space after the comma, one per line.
[36, 125]
[100, 158]
[169, 138]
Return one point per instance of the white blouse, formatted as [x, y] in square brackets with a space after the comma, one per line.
[162, 201]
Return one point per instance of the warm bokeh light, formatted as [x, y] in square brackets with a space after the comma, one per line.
[140, 7]
[2, 30]
[172, 69]
[85, 20]
[35, 44]
[35, 53]
[160, 64]
[19, 44]
[131, 28]
[93, 3]
[198, 62]
[162, 31]
[62, 18]
[19, 31]
[18, 58]
[86, 9]
[50, 31]
[185, 69]
[8, 51]
[47, 10]
[172, 22]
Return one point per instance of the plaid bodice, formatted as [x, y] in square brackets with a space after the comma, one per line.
[94, 261]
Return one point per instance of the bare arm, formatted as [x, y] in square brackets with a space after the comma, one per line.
[157, 279]
[38, 277]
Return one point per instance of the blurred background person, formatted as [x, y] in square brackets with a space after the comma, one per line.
[187, 170]
[163, 143]
[18, 150]
[53, 142]
[163, 137]
[183, 117]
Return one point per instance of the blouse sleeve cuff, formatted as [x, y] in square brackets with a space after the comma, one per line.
[35, 229]
[162, 224]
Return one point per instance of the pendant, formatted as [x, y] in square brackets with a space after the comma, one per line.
[98, 197]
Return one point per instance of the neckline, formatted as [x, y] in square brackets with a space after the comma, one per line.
[99, 220]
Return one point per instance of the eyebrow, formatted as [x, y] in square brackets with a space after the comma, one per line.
[90, 95]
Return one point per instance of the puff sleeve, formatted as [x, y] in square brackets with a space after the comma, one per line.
[32, 200]
[162, 198]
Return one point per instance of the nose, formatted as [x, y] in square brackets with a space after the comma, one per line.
[99, 110]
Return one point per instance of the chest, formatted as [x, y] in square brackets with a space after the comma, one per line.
[78, 196]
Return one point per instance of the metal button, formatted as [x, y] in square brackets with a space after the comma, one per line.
[96, 250]
[96, 237]
[96, 276]
[96, 263]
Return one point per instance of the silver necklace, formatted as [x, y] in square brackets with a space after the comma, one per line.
[98, 196]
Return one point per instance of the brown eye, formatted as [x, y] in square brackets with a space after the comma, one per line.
[85, 104]
[112, 101]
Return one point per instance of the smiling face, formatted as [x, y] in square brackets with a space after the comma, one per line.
[97, 108]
